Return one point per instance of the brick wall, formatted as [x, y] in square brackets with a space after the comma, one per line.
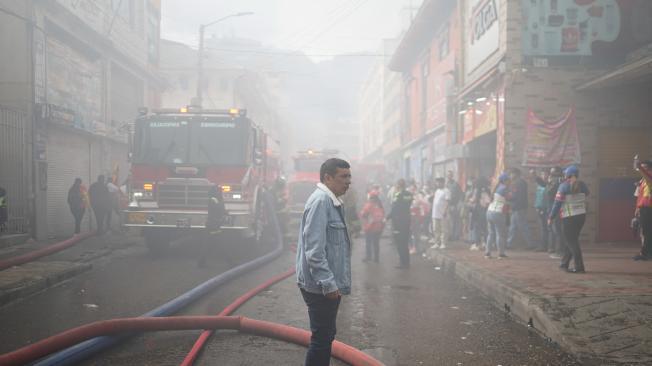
[550, 92]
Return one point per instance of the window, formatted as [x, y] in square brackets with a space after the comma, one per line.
[443, 44]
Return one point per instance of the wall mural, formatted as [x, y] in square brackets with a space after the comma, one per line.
[604, 28]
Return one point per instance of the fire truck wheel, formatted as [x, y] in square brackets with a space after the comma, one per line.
[157, 242]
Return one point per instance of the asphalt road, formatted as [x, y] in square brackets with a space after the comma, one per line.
[419, 316]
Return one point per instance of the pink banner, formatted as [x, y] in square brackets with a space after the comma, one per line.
[551, 143]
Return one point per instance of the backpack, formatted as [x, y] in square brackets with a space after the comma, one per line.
[540, 198]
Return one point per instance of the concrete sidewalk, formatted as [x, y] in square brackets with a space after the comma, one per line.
[27, 279]
[604, 314]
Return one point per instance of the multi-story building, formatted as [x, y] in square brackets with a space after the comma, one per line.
[536, 84]
[79, 73]
[427, 58]
[379, 109]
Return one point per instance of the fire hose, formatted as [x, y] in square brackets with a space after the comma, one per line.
[57, 247]
[99, 335]
[44, 347]
[205, 335]
[89, 347]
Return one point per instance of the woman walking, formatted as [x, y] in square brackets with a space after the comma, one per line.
[372, 216]
[570, 205]
[497, 217]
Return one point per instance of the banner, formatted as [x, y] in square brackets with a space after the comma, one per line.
[551, 143]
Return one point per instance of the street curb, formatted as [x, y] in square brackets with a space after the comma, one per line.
[24, 288]
[523, 306]
[11, 240]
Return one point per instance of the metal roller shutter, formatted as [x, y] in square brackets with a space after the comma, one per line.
[68, 158]
[616, 150]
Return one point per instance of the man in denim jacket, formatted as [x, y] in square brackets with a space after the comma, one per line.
[324, 258]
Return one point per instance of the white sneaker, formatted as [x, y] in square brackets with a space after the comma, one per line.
[442, 246]
[434, 246]
[475, 247]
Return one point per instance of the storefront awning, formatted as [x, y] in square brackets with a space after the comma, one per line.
[635, 72]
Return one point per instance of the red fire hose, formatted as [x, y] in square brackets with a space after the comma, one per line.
[57, 247]
[73, 336]
[205, 335]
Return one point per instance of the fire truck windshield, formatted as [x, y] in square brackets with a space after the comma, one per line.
[207, 142]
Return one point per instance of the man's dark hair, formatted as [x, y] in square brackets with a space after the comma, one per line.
[516, 172]
[330, 167]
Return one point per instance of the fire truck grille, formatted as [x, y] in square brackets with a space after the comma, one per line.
[182, 196]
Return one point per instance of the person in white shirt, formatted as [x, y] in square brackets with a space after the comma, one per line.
[440, 214]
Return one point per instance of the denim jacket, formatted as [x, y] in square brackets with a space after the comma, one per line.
[323, 262]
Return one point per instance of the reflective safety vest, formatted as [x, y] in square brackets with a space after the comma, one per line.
[499, 204]
[574, 205]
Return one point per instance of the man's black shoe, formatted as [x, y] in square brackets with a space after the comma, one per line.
[640, 257]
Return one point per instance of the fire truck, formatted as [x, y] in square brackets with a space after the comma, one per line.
[178, 156]
[305, 176]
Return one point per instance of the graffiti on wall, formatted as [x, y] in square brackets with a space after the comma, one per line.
[74, 85]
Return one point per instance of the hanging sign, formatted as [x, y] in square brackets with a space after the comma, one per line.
[551, 143]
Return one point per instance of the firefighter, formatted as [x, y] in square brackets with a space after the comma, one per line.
[400, 217]
[3, 209]
[214, 221]
[216, 210]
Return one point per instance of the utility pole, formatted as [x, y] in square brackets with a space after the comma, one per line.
[197, 101]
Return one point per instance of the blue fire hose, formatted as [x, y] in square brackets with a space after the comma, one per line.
[86, 349]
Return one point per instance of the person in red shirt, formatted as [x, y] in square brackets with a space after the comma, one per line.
[372, 216]
[644, 209]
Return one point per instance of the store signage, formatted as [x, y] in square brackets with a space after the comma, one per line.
[485, 16]
[483, 39]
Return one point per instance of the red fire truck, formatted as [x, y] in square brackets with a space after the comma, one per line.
[178, 155]
[305, 176]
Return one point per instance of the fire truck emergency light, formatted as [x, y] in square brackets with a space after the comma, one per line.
[148, 186]
[226, 188]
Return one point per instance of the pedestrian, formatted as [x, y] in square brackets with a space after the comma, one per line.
[100, 202]
[114, 202]
[323, 262]
[570, 205]
[557, 241]
[440, 214]
[541, 207]
[478, 205]
[372, 215]
[77, 203]
[456, 197]
[519, 206]
[400, 217]
[497, 217]
[416, 218]
[4, 215]
[467, 210]
[644, 209]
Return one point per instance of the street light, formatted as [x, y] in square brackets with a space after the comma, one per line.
[200, 61]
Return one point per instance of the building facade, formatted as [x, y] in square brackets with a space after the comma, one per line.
[536, 84]
[82, 71]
